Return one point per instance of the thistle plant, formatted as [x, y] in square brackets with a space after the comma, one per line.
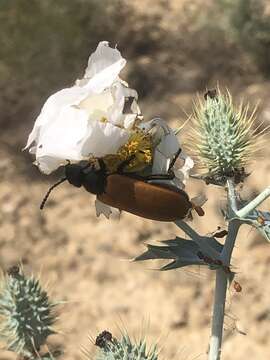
[224, 144]
[27, 315]
[111, 348]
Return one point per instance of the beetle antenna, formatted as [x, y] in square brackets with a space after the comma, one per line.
[43, 202]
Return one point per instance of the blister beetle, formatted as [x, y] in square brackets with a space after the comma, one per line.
[128, 191]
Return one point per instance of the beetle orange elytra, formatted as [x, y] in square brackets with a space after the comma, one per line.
[130, 192]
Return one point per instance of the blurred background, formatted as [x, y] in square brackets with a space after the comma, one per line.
[175, 50]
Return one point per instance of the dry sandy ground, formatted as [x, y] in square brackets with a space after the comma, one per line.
[86, 261]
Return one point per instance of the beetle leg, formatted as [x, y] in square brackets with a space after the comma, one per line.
[174, 159]
[169, 176]
[124, 163]
[102, 165]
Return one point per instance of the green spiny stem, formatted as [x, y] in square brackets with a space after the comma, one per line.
[188, 230]
[220, 292]
[232, 199]
[221, 277]
[228, 247]
[218, 315]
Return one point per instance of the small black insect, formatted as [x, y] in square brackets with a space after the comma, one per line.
[210, 93]
[237, 175]
[13, 270]
[200, 255]
[103, 338]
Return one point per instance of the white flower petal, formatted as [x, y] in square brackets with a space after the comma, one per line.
[161, 163]
[167, 146]
[124, 105]
[106, 210]
[53, 107]
[157, 126]
[103, 139]
[60, 140]
[199, 200]
[62, 136]
[182, 173]
[98, 105]
[129, 121]
[47, 164]
[104, 66]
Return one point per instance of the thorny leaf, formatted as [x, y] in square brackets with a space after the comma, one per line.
[183, 253]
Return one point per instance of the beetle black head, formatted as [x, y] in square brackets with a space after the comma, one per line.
[82, 174]
[94, 181]
[74, 174]
[85, 174]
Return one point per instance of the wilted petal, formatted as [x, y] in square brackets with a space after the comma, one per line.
[169, 145]
[167, 148]
[161, 163]
[104, 66]
[124, 109]
[182, 173]
[199, 200]
[106, 210]
[129, 121]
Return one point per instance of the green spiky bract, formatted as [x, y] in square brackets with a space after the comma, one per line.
[223, 139]
[47, 356]
[126, 349]
[26, 314]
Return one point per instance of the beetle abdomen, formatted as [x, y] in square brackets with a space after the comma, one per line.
[151, 201]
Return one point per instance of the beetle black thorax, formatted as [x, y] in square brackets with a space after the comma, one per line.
[87, 175]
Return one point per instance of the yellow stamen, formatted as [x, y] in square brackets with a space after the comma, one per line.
[138, 146]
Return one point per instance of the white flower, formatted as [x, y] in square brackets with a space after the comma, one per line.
[97, 117]
[87, 119]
